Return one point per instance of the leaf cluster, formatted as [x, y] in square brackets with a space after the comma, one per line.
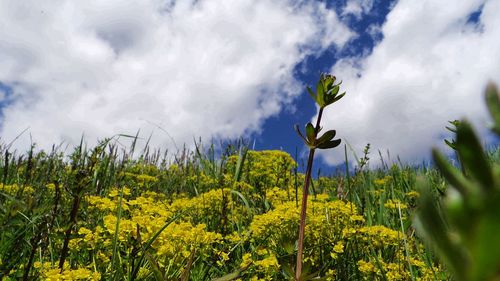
[326, 141]
[327, 92]
[464, 228]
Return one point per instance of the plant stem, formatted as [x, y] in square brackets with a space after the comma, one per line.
[72, 223]
[305, 192]
[34, 245]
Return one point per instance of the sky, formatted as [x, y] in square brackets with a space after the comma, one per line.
[223, 70]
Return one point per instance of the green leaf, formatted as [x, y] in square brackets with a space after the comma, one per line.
[328, 80]
[338, 97]
[455, 124]
[297, 129]
[320, 91]
[312, 94]
[486, 253]
[243, 199]
[473, 157]
[327, 136]
[465, 228]
[329, 144]
[450, 144]
[493, 102]
[310, 133]
[147, 245]
[239, 164]
[453, 130]
[462, 216]
[334, 91]
[454, 177]
[432, 225]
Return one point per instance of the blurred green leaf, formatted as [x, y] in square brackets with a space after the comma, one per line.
[450, 144]
[486, 251]
[472, 156]
[452, 175]
[493, 103]
[434, 229]
[465, 230]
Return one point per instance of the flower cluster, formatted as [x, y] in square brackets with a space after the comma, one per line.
[52, 273]
[249, 227]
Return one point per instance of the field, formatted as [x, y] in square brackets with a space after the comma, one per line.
[109, 213]
[101, 214]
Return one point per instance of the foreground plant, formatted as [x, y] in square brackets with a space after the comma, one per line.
[327, 93]
[465, 227]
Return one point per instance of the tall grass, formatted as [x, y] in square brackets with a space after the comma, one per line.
[45, 205]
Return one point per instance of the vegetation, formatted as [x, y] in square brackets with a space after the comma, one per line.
[465, 230]
[327, 93]
[106, 213]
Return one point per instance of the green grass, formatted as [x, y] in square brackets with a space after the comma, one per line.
[45, 201]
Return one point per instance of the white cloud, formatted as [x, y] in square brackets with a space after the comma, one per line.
[431, 66]
[195, 68]
[357, 8]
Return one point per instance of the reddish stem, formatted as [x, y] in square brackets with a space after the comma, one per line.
[305, 192]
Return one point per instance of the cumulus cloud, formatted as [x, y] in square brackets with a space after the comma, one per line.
[194, 68]
[431, 66]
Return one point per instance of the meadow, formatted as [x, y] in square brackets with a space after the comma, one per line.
[102, 215]
[230, 213]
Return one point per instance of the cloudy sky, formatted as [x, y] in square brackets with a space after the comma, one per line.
[219, 70]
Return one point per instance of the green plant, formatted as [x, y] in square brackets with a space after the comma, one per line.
[464, 227]
[452, 143]
[327, 93]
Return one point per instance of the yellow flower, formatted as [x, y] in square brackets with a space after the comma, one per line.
[366, 267]
[246, 260]
[413, 194]
[339, 247]
[383, 181]
[380, 236]
[14, 188]
[54, 273]
[331, 274]
[269, 263]
[395, 204]
[223, 258]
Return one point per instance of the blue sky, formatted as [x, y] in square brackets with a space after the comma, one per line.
[278, 132]
[180, 70]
